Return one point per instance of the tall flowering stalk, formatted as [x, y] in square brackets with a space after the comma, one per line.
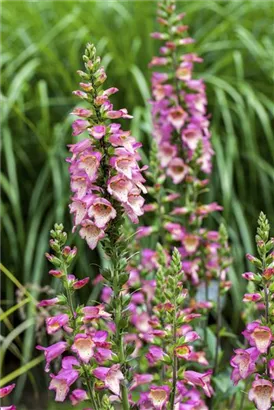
[255, 364]
[106, 182]
[183, 157]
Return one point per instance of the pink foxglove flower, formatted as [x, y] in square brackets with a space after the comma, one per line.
[159, 396]
[258, 336]
[200, 379]
[244, 363]
[52, 352]
[77, 396]
[83, 346]
[55, 323]
[111, 377]
[262, 394]
[62, 382]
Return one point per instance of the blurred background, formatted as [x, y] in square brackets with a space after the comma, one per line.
[42, 45]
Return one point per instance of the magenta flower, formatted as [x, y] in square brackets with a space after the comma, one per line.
[83, 346]
[140, 379]
[258, 336]
[244, 363]
[79, 126]
[95, 312]
[55, 323]
[77, 396]
[271, 368]
[98, 131]
[62, 382]
[48, 302]
[4, 391]
[78, 284]
[252, 297]
[262, 393]
[111, 376]
[154, 355]
[200, 379]
[159, 396]
[52, 352]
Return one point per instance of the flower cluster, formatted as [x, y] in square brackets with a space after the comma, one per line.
[105, 176]
[256, 362]
[179, 101]
[88, 348]
[5, 391]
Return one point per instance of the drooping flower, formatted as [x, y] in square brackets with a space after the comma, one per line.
[62, 382]
[111, 376]
[244, 363]
[262, 393]
[200, 379]
[77, 396]
[159, 396]
[83, 346]
[258, 336]
[52, 352]
[55, 323]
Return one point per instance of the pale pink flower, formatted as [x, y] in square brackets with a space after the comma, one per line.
[159, 396]
[111, 376]
[91, 233]
[83, 346]
[62, 382]
[262, 393]
[101, 211]
[177, 170]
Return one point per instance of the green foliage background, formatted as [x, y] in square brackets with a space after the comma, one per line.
[42, 44]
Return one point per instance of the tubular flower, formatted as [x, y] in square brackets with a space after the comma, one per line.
[105, 175]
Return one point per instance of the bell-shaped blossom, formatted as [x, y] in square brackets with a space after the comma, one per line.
[244, 363]
[91, 233]
[155, 354]
[258, 336]
[101, 211]
[200, 379]
[262, 394]
[111, 376]
[52, 352]
[177, 170]
[55, 323]
[62, 382]
[83, 346]
[159, 396]
[77, 396]
[95, 312]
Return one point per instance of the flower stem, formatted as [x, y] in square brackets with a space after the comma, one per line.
[175, 364]
[218, 327]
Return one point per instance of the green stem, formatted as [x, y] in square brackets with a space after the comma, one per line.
[175, 364]
[90, 390]
[117, 317]
[218, 327]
